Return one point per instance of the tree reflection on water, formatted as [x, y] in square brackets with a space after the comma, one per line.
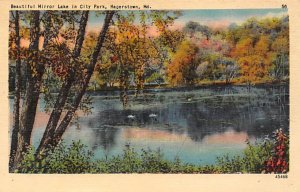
[197, 114]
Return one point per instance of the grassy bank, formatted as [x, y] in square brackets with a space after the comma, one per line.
[268, 156]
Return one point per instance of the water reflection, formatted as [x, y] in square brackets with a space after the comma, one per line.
[105, 137]
[161, 135]
[229, 136]
[196, 115]
[197, 125]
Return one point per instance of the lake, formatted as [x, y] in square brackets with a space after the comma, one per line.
[196, 125]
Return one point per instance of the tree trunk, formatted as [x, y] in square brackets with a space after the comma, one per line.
[68, 117]
[16, 112]
[34, 70]
[65, 89]
[32, 91]
[56, 138]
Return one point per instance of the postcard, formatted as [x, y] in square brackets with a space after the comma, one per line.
[144, 96]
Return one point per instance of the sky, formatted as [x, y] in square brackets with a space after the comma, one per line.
[215, 18]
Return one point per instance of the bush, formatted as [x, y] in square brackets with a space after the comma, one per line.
[278, 162]
[73, 159]
[268, 156]
[252, 160]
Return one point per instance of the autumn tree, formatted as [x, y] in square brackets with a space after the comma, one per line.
[134, 51]
[255, 61]
[192, 28]
[54, 131]
[214, 57]
[281, 48]
[260, 48]
[124, 44]
[181, 70]
[53, 56]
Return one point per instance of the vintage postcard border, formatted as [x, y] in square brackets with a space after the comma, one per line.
[158, 182]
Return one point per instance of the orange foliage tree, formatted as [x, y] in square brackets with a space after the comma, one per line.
[254, 59]
[182, 69]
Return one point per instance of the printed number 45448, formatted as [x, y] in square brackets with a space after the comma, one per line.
[281, 176]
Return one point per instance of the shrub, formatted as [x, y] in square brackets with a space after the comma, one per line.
[73, 159]
[252, 160]
[268, 156]
[278, 162]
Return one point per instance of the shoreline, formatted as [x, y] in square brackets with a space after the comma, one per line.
[113, 92]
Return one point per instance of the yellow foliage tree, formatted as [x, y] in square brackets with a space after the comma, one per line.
[254, 59]
[182, 69]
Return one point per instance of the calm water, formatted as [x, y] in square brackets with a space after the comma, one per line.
[195, 125]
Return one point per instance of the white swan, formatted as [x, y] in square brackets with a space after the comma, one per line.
[152, 115]
[131, 117]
